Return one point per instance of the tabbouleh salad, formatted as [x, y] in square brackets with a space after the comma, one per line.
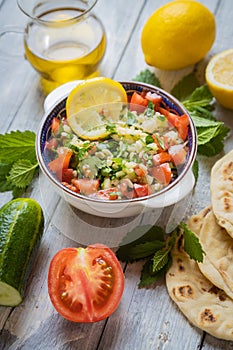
[143, 152]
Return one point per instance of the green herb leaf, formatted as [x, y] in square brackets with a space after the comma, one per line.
[202, 112]
[21, 173]
[184, 88]
[201, 122]
[192, 245]
[205, 135]
[94, 164]
[146, 76]
[160, 259]
[130, 118]
[148, 277]
[195, 169]
[5, 185]
[17, 145]
[4, 169]
[144, 250]
[138, 236]
[201, 96]
[215, 145]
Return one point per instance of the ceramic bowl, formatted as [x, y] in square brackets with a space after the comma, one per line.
[175, 192]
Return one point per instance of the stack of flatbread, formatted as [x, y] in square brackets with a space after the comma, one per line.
[204, 291]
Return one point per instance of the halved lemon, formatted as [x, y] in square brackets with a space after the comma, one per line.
[89, 103]
[219, 77]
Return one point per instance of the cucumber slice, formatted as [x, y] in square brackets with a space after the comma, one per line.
[9, 296]
[21, 229]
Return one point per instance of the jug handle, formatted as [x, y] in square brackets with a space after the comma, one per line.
[14, 51]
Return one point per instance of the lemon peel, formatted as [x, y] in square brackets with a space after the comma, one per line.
[178, 34]
[219, 77]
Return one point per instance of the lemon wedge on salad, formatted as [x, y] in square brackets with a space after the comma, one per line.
[219, 77]
[93, 105]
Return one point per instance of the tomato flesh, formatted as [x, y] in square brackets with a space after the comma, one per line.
[85, 284]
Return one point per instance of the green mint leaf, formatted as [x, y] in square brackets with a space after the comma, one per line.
[139, 235]
[205, 135]
[215, 145]
[4, 169]
[184, 88]
[160, 259]
[149, 277]
[202, 112]
[17, 192]
[195, 169]
[21, 173]
[17, 145]
[146, 76]
[144, 250]
[204, 122]
[201, 96]
[5, 185]
[192, 245]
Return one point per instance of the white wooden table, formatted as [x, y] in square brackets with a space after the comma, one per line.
[146, 318]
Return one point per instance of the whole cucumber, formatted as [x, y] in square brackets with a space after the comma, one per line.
[21, 229]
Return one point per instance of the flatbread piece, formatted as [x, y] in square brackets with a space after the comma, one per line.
[205, 306]
[217, 265]
[221, 187]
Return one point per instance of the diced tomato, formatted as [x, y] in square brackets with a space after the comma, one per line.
[154, 98]
[51, 144]
[140, 172]
[61, 162]
[138, 102]
[171, 117]
[181, 122]
[67, 175]
[55, 125]
[178, 154]
[86, 186]
[162, 173]
[141, 190]
[160, 158]
[107, 194]
[85, 284]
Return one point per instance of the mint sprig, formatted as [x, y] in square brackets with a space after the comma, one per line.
[18, 161]
[156, 249]
[192, 245]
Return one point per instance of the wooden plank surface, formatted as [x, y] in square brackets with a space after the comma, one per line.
[146, 318]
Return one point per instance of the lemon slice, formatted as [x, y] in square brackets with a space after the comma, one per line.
[92, 105]
[219, 77]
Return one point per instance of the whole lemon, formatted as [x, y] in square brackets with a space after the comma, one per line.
[178, 34]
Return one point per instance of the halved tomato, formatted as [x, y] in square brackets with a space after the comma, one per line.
[85, 284]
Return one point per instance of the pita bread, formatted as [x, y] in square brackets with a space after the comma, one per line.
[205, 306]
[217, 264]
[221, 187]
